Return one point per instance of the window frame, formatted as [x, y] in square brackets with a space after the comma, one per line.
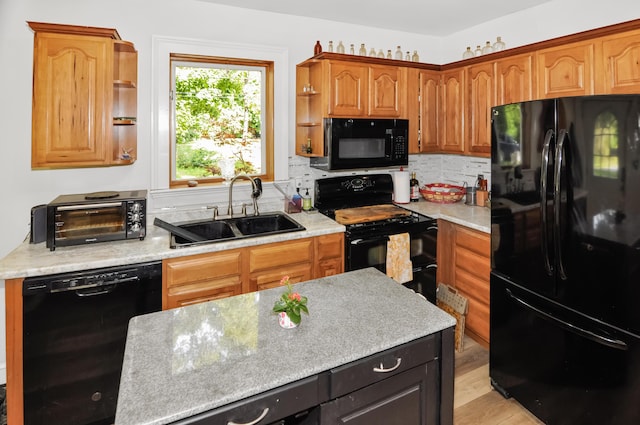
[161, 195]
[267, 115]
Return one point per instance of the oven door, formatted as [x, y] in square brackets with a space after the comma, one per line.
[366, 252]
[363, 252]
[82, 224]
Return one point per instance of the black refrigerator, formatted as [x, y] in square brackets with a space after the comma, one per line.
[565, 239]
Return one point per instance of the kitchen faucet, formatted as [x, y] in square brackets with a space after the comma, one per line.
[256, 185]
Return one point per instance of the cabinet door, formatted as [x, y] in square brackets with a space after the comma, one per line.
[566, 70]
[71, 96]
[620, 56]
[409, 398]
[472, 268]
[429, 86]
[269, 263]
[481, 97]
[514, 79]
[329, 255]
[198, 278]
[387, 91]
[271, 278]
[348, 97]
[451, 130]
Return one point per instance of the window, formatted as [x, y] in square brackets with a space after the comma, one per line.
[605, 146]
[221, 118]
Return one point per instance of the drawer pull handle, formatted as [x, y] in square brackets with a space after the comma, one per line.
[261, 417]
[381, 369]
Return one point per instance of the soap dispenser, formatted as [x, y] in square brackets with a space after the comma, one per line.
[306, 201]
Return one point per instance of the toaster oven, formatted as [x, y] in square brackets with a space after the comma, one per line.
[96, 217]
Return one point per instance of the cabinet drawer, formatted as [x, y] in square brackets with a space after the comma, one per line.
[274, 405]
[474, 241]
[204, 267]
[280, 254]
[350, 377]
[408, 398]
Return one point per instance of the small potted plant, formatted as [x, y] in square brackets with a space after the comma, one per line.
[290, 306]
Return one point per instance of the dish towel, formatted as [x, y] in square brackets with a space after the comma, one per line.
[399, 267]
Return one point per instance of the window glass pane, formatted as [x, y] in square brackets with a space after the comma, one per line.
[218, 117]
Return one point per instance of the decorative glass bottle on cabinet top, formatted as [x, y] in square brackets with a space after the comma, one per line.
[398, 53]
[487, 48]
[498, 45]
[340, 47]
[467, 53]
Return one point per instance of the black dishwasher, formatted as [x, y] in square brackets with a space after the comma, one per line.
[74, 333]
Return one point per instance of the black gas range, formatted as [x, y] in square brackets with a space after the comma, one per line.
[372, 219]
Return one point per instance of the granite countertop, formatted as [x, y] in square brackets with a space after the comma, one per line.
[36, 259]
[474, 217]
[193, 359]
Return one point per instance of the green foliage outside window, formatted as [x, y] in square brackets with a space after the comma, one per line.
[217, 120]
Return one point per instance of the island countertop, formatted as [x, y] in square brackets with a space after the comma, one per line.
[193, 359]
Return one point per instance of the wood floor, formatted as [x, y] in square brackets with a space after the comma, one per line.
[475, 402]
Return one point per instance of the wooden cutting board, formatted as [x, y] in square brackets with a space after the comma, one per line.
[370, 213]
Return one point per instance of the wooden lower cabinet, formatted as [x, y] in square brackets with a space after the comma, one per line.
[199, 278]
[464, 262]
[204, 277]
[329, 255]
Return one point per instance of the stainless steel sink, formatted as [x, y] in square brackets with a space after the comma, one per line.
[224, 230]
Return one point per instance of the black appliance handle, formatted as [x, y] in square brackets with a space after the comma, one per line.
[546, 147]
[361, 241]
[104, 289]
[557, 199]
[600, 339]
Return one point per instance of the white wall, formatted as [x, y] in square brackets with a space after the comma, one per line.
[139, 20]
[548, 20]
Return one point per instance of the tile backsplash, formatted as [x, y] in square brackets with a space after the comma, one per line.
[429, 168]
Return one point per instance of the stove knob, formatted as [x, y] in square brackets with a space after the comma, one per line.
[136, 207]
[135, 227]
[135, 217]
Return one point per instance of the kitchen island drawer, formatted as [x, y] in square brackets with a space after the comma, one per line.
[359, 374]
[266, 408]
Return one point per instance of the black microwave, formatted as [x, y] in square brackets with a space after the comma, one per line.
[363, 143]
[96, 217]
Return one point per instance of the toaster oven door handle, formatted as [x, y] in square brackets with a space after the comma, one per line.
[89, 206]
[363, 241]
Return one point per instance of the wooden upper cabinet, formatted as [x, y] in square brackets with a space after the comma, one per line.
[619, 55]
[566, 70]
[514, 79]
[71, 98]
[481, 96]
[451, 113]
[77, 89]
[429, 88]
[348, 91]
[387, 91]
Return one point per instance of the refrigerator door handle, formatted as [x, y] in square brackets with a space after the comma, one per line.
[600, 339]
[557, 199]
[546, 147]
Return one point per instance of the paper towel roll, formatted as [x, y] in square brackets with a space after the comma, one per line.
[401, 187]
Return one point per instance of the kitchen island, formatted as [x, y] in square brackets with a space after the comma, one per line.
[229, 360]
